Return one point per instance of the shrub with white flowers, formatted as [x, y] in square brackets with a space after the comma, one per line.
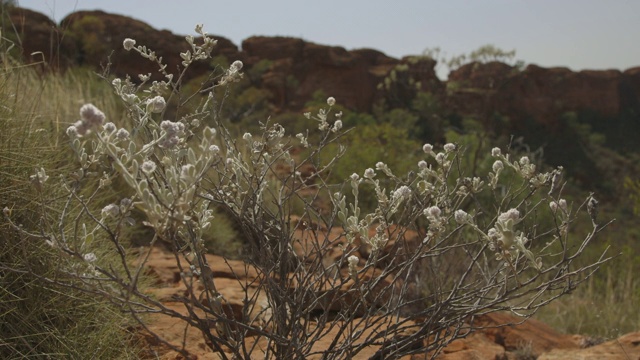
[309, 281]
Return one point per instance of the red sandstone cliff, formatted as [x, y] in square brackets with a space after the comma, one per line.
[297, 69]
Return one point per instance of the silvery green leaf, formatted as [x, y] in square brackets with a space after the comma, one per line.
[134, 168]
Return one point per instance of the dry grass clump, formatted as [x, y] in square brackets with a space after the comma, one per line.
[39, 319]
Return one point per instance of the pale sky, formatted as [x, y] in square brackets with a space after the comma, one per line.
[579, 34]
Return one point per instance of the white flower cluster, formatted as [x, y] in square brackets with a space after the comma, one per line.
[110, 210]
[352, 262]
[172, 133]
[322, 117]
[436, 222]
[560, 204]
[148, 167]
[120, 134]
[369, 173]
[504, 232]
[90, 257]
[233, 74]
[156, 104]
[90, 118]
[443, 159]
[401, 193]
[128, 44]
[39, 178]
[523, 167]
[462, 217]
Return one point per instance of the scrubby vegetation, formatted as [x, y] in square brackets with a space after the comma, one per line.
[39, 317]
[498, 226]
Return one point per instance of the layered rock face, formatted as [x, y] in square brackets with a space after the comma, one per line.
[301, 68]
[543, 94]
[297, 69]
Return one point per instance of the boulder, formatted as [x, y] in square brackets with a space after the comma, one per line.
[623, 348]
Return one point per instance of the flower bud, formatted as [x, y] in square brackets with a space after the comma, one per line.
[128, 44]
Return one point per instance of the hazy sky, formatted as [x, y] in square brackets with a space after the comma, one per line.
[579, 34]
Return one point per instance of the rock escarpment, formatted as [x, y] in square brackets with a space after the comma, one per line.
[296, 69]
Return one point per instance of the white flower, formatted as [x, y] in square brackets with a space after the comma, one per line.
[148, 167]
[90, 257]
[130, 98]
[563, 204]
[169, 142]
[122, 134]
[512, 214]
[247, 136]
[110, 210]
[505, 232]
[380, 165]
[449, 147]
[109, 127]
[440, 158]
[354, 177]
[432, 213]
[524, 161]
[237, 65]
[422, 164]
[353, 260]
[91, 116]
[128, 44]
[331, 101]
[554, 206]
[125, 202]
[156, 104]
[40, 177]
[496, 152]
[402, 192]
[337, 125]
[233, 74]
[498, 166]
[173, 130]
[462, 217]
[214, 149]
[72, 131]
[427, 148]
[369, 173]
